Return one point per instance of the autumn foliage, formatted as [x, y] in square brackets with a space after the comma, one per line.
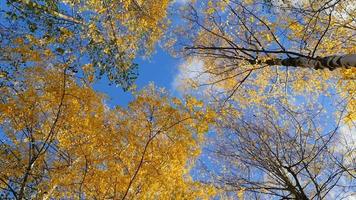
[268, 112]
[62, 141]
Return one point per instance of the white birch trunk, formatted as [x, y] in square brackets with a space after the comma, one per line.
[330, 62]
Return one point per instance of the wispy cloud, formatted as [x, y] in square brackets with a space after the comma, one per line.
[193, 78]
[190, 73]
[346, 143]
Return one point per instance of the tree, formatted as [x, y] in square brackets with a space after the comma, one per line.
[260, 32]
[276, 126]
[108, 35]
[289, 155]
[258, 50]
[60, 140]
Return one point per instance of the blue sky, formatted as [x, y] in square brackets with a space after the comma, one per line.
[160, 68]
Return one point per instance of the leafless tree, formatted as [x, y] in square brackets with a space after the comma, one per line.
[289, 155]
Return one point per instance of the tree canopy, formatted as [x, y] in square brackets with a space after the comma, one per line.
[268, 110]
[105, 34]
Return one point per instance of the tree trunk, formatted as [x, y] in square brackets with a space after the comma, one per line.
[329, 62]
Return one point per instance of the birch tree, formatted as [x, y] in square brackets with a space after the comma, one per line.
[108, 35]
[59, 140]
[258, 50]
[314, 35]
[281, 75]
[289, 155]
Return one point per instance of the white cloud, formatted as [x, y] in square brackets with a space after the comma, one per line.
[190, 73]
[192, 78]
[344, 14]
[346, 143]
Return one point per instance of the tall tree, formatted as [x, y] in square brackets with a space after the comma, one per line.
[284, 155]
[107, 34]
[254, 50]
[295, 33]
[60, 140]
[276, 129]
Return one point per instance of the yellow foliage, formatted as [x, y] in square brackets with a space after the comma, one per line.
[138, 17]
[236, 44]
[348, 91]
[144, 151]
[240, 194]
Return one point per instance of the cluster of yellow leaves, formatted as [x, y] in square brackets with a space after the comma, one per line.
[348, 91]
[144, 151]
[131, 24]
[27, 49]
[258, 85]
[109, 34]
[240, 194]
[88, 71]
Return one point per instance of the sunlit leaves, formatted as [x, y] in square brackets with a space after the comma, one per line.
[76, 146]
[108, 35]
[237, 42]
